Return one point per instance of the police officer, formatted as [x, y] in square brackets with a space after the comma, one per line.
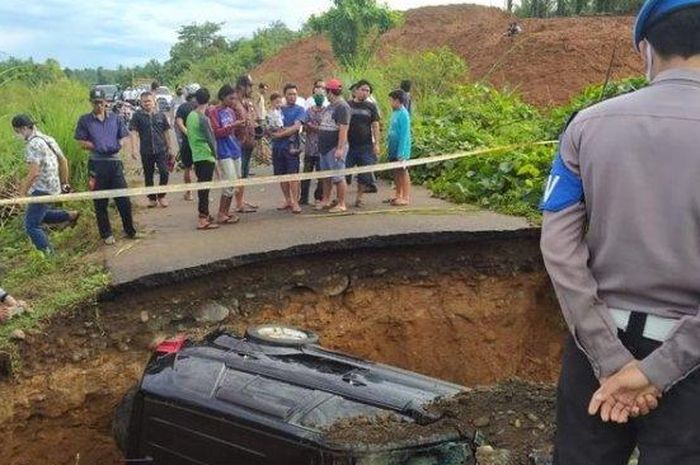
[621, 242]
[101, 133]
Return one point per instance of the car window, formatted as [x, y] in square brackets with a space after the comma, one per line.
[198, 375]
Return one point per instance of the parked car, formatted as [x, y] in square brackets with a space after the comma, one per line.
[111, 91]
[164, 98]
[267, 398]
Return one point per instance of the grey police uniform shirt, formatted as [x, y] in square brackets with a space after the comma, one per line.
[632, 239]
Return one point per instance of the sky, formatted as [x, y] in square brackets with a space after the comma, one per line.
[92, 33]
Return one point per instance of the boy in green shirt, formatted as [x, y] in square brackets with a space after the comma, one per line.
[203, 145]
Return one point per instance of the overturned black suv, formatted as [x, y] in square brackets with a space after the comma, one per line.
[267, 398]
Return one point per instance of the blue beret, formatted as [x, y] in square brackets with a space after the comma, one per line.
[653, 11]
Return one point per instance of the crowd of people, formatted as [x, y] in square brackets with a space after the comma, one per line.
[215, 137]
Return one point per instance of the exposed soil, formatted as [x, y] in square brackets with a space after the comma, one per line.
[472, 313]
[553, 60]
[514, 416]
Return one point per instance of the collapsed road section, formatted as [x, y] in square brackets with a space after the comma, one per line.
[475, 310]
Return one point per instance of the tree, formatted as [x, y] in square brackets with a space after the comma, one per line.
[353, 27]
[195, 42]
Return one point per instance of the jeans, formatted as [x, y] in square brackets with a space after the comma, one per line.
[36, 215]
[246, 155]
[311, 164]
[330, 163]
[149, 162]
[669, 435]
[109, 174]
[205, 173]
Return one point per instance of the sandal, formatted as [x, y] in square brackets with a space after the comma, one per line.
[389, 200]
[247, 209]
[359, 203]
[398, 203]
[251, 205]
[228, 219]
[338, 209]
[296, 210]
[285, 207]
[207, 225]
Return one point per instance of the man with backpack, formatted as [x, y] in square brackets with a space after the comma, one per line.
[47, 175]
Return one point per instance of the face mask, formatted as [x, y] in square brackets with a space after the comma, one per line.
[318, 100]
[20, 136]
[649, 61]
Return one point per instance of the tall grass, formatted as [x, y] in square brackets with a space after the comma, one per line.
[56, 107]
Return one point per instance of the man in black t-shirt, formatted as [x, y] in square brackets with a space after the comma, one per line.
[181, 115]
[363, 138]
[149, 137]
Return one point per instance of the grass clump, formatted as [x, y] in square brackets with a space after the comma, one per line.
[62, 282]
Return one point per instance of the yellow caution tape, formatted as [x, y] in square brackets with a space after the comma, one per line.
[175, 188]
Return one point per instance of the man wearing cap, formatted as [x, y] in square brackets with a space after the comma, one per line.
[101, 132]
[47, 175]
[333, 145]
[621, 242]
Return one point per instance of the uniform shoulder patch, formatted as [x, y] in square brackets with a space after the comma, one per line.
[563, 189]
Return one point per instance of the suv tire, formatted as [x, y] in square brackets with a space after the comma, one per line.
[281, 335]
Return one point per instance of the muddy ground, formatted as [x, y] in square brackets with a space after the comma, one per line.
[476, 313]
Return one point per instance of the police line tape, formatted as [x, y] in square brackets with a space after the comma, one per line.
[177, 188]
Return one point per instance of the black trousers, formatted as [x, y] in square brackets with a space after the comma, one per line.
[150, 161]
[204, 170]
[311, 164]
[670, 435]
[109, 174]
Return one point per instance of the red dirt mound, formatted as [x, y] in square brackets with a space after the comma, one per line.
[550, 62]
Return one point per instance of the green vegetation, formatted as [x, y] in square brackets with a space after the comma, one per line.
[546, 8]
[201, 54]
[354, 27]
[69, 278]
[453, 115]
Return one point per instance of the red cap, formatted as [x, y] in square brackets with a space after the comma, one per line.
[334, 84]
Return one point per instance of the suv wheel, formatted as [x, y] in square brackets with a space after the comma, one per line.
[281, 335]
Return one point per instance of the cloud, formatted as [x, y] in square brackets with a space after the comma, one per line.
[85, 33]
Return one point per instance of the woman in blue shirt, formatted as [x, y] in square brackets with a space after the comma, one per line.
[399, 146]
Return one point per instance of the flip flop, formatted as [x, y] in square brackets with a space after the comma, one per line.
[251, 205]
[247, 209]
[229, 220]
[399, 203]
[208, 225]
[286, 207]
[391, 200]
[338, 209]
[296, 210]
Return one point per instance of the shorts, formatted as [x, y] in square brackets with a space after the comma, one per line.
[231, 170]
[283, 162]
[362, 156]
[329, 163]
[186, 155]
